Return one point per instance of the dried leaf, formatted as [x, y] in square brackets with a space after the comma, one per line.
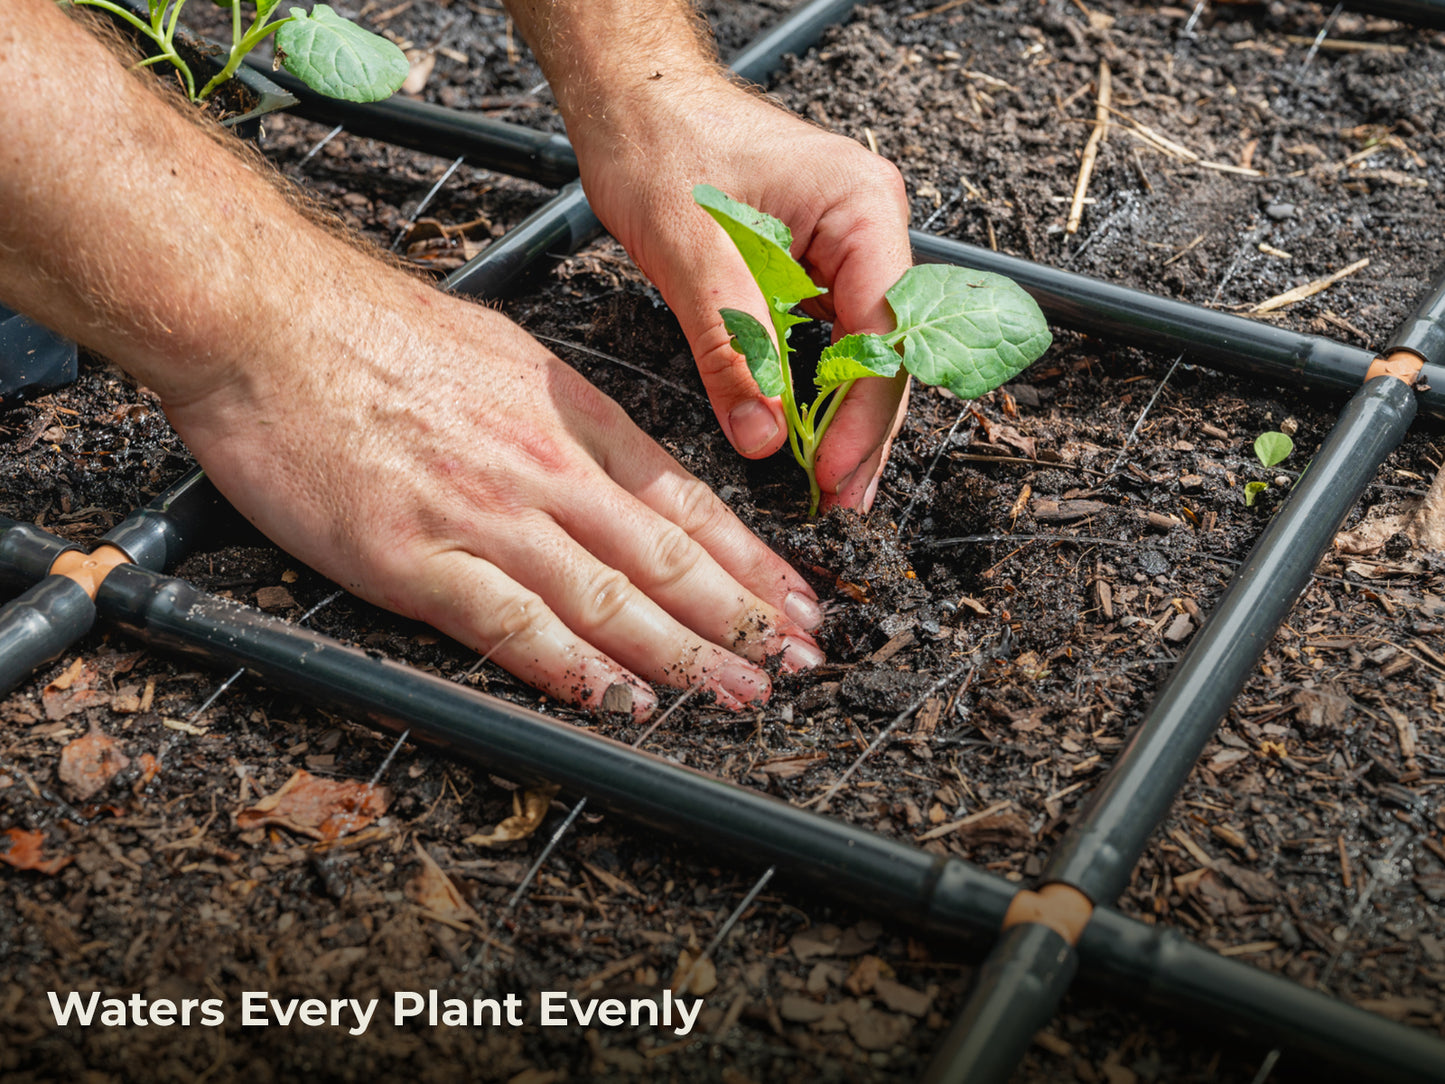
[529, 810]
[80, 687]
[701, 975]
[433, 891]
[324, 809]
[789, 767]
[22, 851]
[87, 764]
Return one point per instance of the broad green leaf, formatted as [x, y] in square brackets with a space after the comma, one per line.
[752, 341]
[855, 356]
[763, 242]
[337, 58]
[1272, 448]
[1252, 490]
[968, 331]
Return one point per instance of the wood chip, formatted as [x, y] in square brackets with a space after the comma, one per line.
[1091, 148]
[1309, 289]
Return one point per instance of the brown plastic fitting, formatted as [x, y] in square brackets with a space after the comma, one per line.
[89, 569]
[1060, 907]
[1402, 364]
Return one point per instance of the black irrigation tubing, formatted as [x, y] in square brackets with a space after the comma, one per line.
[56, 611]
[942, 895]
[1236, 343]
[1031, 967]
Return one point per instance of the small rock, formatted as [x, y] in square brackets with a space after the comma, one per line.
[1280, 211]
[1191, 483]
[800, 1010]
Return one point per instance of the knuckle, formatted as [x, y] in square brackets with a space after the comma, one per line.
[522, 618]
[673, 557]
[605, 598]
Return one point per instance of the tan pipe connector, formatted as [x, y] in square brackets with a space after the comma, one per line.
[89, 569]
[1062, 908]
[1402, 364]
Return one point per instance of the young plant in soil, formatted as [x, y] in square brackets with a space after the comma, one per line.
[967, 331]
[330, 54]
[1269, 449]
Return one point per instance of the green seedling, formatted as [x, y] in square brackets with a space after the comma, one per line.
[330, 54]
[967, 331]
[1269, 449]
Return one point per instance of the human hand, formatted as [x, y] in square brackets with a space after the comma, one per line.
[849, 216]
[434, 459]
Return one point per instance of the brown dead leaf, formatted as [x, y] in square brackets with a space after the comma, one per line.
[529, 809]
[701, 981]
[867, 970]
[433, 891]
[80, 687]
[324, 809]
[997, 433]
[1371, 535]
[87, 764]
[21, 850]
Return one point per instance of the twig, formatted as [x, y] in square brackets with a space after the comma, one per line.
[617, 361]
[1124, 451]
[917, 489]
[888, 730]
[727, 928]
[1091, 148]
[1309, 289]
[426, 201]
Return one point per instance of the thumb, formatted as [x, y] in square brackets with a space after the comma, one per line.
[711, 276]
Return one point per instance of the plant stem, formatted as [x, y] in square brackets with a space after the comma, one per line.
[156, 32]
[239, 49]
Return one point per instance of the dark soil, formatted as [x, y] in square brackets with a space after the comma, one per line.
[1308, 841]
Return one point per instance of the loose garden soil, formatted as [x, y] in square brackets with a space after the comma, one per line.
[1308, 841]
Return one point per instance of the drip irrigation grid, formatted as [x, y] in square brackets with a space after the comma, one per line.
[1045, 936]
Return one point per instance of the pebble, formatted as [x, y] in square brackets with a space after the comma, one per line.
[1280, 211]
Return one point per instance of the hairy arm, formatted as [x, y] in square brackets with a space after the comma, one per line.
[420, 450]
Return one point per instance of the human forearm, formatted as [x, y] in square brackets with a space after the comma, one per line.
[125, 226]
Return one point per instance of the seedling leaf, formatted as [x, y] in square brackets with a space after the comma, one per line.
[1252, 490]
[338, 58]
[763, 243]
[1272, 448]
[752, 341]
[966, 330]
[855, 356]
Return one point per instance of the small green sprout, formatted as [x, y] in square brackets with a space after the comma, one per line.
[1270, 449]
[968, 331]
[330, 54]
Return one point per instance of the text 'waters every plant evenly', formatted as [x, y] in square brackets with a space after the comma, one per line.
[964, 330]
[327, 52]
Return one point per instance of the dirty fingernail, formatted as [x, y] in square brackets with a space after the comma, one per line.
[802, 609]
[800, 655]
[753, 426]
[743, 682]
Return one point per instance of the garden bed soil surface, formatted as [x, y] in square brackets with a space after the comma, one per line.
[1307, 842]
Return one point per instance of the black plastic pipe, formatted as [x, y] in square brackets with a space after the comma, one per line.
[544, 157]
[1150, 964]
[886, 877]
[1423, 333]
[1022, 996]
[559, 227]
[183, 517]
[27, 552]
[842, 859]
[39, 624]
[1099, 851]
[1419, 12]
[1219, 339]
